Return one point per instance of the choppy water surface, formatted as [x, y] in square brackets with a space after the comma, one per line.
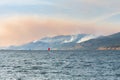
[60, 65]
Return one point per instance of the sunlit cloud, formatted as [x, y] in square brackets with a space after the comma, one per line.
[22, 29]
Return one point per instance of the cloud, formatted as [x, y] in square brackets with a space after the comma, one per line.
[23, 29]
[105, 17]
[88, 37]
[73, 37]
[93, 8]
[77, 9]
[104, 3]
[25, 2]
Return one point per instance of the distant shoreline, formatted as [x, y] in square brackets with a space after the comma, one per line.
[99, 49]
[109, 48]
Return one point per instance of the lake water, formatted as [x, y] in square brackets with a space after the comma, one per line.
[60, 65]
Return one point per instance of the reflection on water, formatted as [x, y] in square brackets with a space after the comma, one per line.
[60, 65]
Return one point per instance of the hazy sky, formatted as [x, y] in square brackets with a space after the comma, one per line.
[22, 21]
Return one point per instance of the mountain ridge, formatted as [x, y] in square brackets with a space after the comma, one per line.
[106, 42]
[73, 42]
[56, 42]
